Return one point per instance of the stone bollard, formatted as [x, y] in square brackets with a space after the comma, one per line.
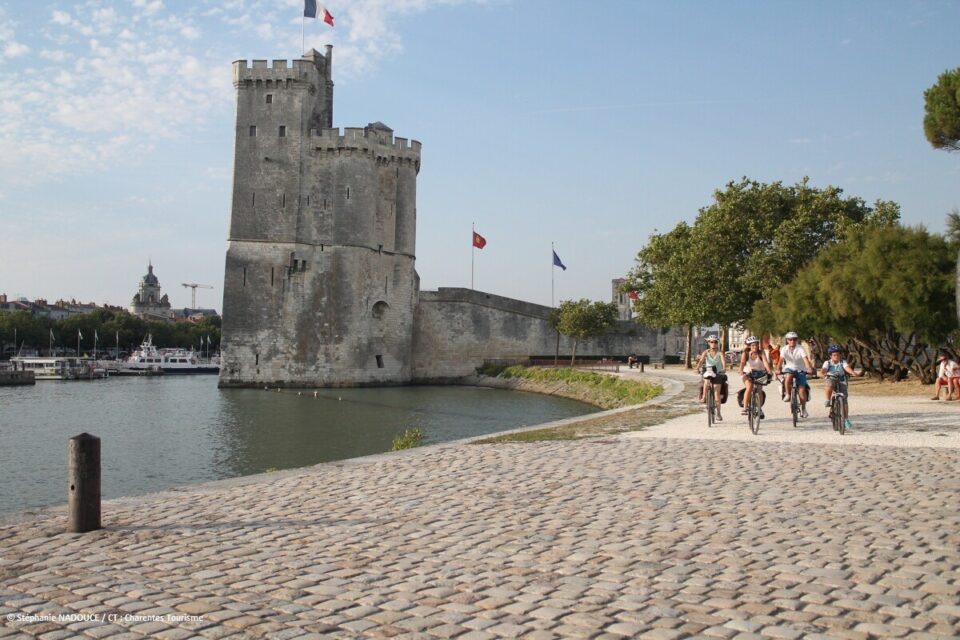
[83, 471]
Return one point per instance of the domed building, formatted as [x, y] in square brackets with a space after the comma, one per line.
[148, 303]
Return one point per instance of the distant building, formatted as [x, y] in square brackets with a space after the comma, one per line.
[622, 300]
[148, 303]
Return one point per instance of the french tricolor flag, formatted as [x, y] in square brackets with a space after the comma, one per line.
[312, 10]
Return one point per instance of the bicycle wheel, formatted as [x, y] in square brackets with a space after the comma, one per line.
[794, 404]
[836, 414]
[842, 419]
[754, 413]
[711, 406]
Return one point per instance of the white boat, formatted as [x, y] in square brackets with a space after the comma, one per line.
[149, 360]
[59, 368]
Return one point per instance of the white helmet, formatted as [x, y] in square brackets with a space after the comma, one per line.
[752, 340]
[791, 335]
[711, 338]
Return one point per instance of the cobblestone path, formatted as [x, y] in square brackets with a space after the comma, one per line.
[607, 537]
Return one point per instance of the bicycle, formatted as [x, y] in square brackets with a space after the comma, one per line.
[754, 410]
[713, 411]
[795, 407]
[838, 403]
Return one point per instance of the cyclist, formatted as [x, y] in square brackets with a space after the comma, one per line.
[794, 364]
[754, 363]
[837, 366]
[712, 360]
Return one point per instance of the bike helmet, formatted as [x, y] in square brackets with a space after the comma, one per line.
[752, 340]
[834, 348]
[791, 335]
[711, 338]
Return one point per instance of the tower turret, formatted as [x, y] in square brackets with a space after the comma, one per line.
[320, 285]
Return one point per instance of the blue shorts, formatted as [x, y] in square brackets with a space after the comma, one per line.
[799, 376]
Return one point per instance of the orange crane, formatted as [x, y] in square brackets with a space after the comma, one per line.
[193, 294]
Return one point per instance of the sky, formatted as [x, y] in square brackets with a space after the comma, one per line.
[587, 126]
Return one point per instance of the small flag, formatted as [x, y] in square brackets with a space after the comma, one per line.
[95, 336]
[79, 335]
[51, 335]
[479, 241]
[556, 261]
[633, 295]
[310, 10]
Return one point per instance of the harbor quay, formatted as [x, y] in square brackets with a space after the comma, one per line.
[633, 535]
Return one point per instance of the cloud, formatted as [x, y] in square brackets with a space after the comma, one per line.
[15, 49]
[110, 76]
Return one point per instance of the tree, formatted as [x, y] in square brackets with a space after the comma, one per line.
[941, 122]
[953, 227]
[742, 250]
[885, 291]
[584, 319]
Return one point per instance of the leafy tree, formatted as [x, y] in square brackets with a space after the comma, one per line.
[941, 123]
[584, 319]
[953, 227]
[886, 291]
[742, 250]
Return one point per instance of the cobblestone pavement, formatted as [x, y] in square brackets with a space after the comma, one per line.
[608, 537]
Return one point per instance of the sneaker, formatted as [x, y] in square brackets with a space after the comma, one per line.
[826, 403]
[785, 398]
[761, 414]
[719, 417]
[744, 412]
[847, 424]
[803, 413]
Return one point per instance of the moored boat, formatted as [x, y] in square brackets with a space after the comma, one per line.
[149, 360]
[59, 368]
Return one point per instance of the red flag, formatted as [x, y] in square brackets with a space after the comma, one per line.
[633, 295]
[327, 16]
[479, 241]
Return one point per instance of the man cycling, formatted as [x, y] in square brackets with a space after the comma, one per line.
[838, 367]
[794, 364]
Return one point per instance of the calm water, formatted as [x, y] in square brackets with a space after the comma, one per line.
[161, 432]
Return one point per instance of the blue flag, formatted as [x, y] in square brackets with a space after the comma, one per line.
[310, 8]
[556, 261]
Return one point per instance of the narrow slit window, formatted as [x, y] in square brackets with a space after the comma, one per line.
[283, 131]
[253, 199]
[271, 276]
[379, 361]
[283, 200]
[256, 359]
[348, 193]
[253, 131]
[244, 276]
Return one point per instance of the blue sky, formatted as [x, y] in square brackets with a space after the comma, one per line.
[589, 125]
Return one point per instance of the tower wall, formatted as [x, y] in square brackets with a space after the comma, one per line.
[319, 288]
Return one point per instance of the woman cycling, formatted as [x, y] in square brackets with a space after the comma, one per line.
[754, 363]
[710, 364]
[836, 366]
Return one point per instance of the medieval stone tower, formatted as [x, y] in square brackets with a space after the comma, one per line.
[320, 287]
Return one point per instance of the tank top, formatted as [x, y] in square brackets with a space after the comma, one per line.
[755, 364]
[713, 361]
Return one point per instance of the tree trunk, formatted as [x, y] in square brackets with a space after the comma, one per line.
[687, 363]
[556, 355]
[573, 356]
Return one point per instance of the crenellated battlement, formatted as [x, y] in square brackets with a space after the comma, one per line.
[302, 70]
[378, 141]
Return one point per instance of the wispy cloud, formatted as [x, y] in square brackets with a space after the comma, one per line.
[102, 80]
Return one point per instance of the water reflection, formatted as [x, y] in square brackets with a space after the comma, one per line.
[162, 432]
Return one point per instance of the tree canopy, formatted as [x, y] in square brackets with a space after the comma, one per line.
[888, 292]
[109, 325]
[583, 319]
[941, 122]
[742, 249]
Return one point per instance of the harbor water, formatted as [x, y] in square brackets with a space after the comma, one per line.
[168, 431]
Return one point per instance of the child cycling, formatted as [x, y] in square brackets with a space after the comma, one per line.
[836, 366]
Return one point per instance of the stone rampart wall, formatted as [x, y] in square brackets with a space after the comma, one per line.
[455, 330]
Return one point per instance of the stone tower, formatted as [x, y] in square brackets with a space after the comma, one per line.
[320, 286]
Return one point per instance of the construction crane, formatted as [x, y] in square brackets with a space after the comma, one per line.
[193, 294]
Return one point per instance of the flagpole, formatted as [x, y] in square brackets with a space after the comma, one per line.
[552, 251]
[473, 250]
[303, 46]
